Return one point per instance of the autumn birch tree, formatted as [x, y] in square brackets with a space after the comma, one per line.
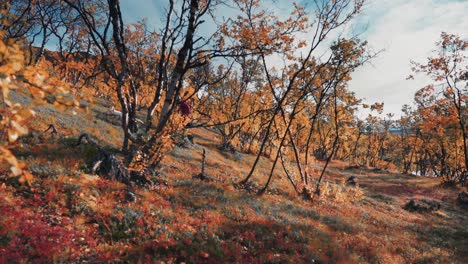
[178, 50]
[449, 69]
[293, 84]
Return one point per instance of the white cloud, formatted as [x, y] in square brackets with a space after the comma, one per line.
[407, 30]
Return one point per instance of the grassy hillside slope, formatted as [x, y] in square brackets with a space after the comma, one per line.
[70, 215]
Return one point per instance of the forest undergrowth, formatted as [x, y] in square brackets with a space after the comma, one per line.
[66, 214]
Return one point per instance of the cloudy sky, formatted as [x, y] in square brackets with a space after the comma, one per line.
[405, 29]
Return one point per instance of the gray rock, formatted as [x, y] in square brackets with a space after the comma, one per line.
[131, 197]
[462, 198]
[422, 205]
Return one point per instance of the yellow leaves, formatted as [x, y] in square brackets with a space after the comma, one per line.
[7, 156]
[16, 168]
[14, 124]
[265, 32]
[4, 13]
[302, 44]
[26, 177]
[15, 131]
[14, 117]
[34, 76]
[4, 85]
[223, 29]
[37, 93]
[11, 58]
[65, 100]
[377, 107]
[221, 43]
